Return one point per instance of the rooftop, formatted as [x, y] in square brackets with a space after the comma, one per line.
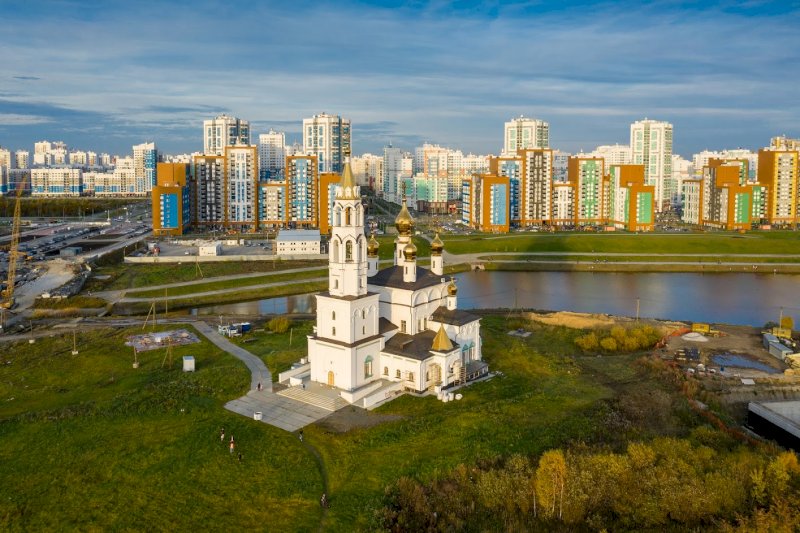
[393, 277]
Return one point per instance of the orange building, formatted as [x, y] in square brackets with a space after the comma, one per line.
[495, 203]
[777, 170]
[171, 199]
[630, 203]
[327, 182]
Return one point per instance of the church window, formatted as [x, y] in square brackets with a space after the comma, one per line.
[368, 367]
[335, 251]
[333, 331]
[333, 315]
[427, 376]
[347, 217]
[410, 376]
[402, 326]
[386, 371]
[397, 373]
[336, 284]
[348, 251]
[363, 313]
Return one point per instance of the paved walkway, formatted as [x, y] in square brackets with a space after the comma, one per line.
[276, 410]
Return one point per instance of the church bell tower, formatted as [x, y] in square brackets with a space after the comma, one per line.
[347, 250]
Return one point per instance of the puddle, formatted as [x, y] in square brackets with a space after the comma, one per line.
[740, 361]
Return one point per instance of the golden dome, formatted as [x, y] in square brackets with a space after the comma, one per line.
[410, 252]
[441, 342]
[404, 223]
[372, 246]
[348, 191]
[437, 245]
[452, 290]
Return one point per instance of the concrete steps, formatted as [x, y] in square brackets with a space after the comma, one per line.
[312, 398]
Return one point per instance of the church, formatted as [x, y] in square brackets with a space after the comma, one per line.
[393, 329]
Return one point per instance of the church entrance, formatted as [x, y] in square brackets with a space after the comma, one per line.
[436, 374]
[330, 378]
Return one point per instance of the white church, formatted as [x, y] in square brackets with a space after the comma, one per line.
[393, 329]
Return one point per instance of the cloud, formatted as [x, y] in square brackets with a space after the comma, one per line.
[14, 119]
[403, 71]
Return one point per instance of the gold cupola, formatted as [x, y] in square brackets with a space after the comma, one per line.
[437, 245]
[452, 290]
[410, 252]
[441, 342]
[348, 184]
[372, 246]
[404, 223]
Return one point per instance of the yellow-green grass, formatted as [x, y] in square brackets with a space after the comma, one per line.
[82, 302]
[227, 284]
[275, 348]
[89, 443]
[386, 250]
[591, 258]
[773, 242]
[131, 308]
[134, 276]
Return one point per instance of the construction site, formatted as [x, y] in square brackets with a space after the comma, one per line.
[162, 339]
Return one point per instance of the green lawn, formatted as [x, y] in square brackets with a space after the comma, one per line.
[134, 276]
[386, 251]
[227, 284]
[773, 242]
[90, 443]
[275, 348]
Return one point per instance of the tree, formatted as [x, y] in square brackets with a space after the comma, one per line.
[609, 344]
[551, 476]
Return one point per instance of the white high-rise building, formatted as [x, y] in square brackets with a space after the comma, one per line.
[6, 161]
[397, 166]
[78, 158]
[612, 154]
[651, 146]
[224, 131]
[145, 160]
[522, 133]
[22, 159]
[328, 138]
[271, 155]
[368, 171]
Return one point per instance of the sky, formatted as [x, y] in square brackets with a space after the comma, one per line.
[103, 75]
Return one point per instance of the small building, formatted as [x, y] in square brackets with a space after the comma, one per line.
[188, 363]
[70, 251]
[211, 248]
[298, 242]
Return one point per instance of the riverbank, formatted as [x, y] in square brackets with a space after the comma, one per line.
[635, 266]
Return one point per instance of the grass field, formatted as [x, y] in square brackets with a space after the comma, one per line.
[134, 276]
[278, 350]
[89, 443]
[228, 284]
[773, 242]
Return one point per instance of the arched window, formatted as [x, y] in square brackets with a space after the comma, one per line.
[338, 219]
[368, 367]
[335, 251]
[348, 251]
[363, 313]
[397, 373]
[333, 315]
[347, 217]
[386, 371]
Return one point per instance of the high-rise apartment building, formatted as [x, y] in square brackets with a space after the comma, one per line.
[241, 180]
[302, 181]
[510, 166]
[171, 199]
[209, 191]
[651, 146]
[125, 176]
[60, 181]
[612, 154]
[6, 159]
[328, 138]
[586, 175]
[525, 133]
[397, 166]
[271, 155]
[630, 203]
[368, 171]
[784, 143]
[777, 171]
[145, 159]
[224, 131]
[536, 186]
[22, 159]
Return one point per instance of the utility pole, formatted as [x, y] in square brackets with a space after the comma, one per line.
[637, 309]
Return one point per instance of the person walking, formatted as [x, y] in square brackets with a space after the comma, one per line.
[301, 435]
[222, 434]
[233, 445]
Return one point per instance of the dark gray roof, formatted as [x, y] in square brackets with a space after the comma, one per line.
[412, 346]
[348, 298]
[393, 277]
[347, 344]
[455, 317]
[384, 326]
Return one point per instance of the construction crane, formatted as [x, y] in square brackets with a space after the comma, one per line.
[13, 251]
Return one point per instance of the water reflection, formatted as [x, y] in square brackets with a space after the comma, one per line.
[735, 298]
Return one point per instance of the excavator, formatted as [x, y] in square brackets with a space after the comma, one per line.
[7, 296]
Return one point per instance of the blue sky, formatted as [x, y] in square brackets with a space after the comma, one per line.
[103, 75]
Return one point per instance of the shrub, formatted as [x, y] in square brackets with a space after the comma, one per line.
[587, 342]
[609, 344]
[279, 324]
